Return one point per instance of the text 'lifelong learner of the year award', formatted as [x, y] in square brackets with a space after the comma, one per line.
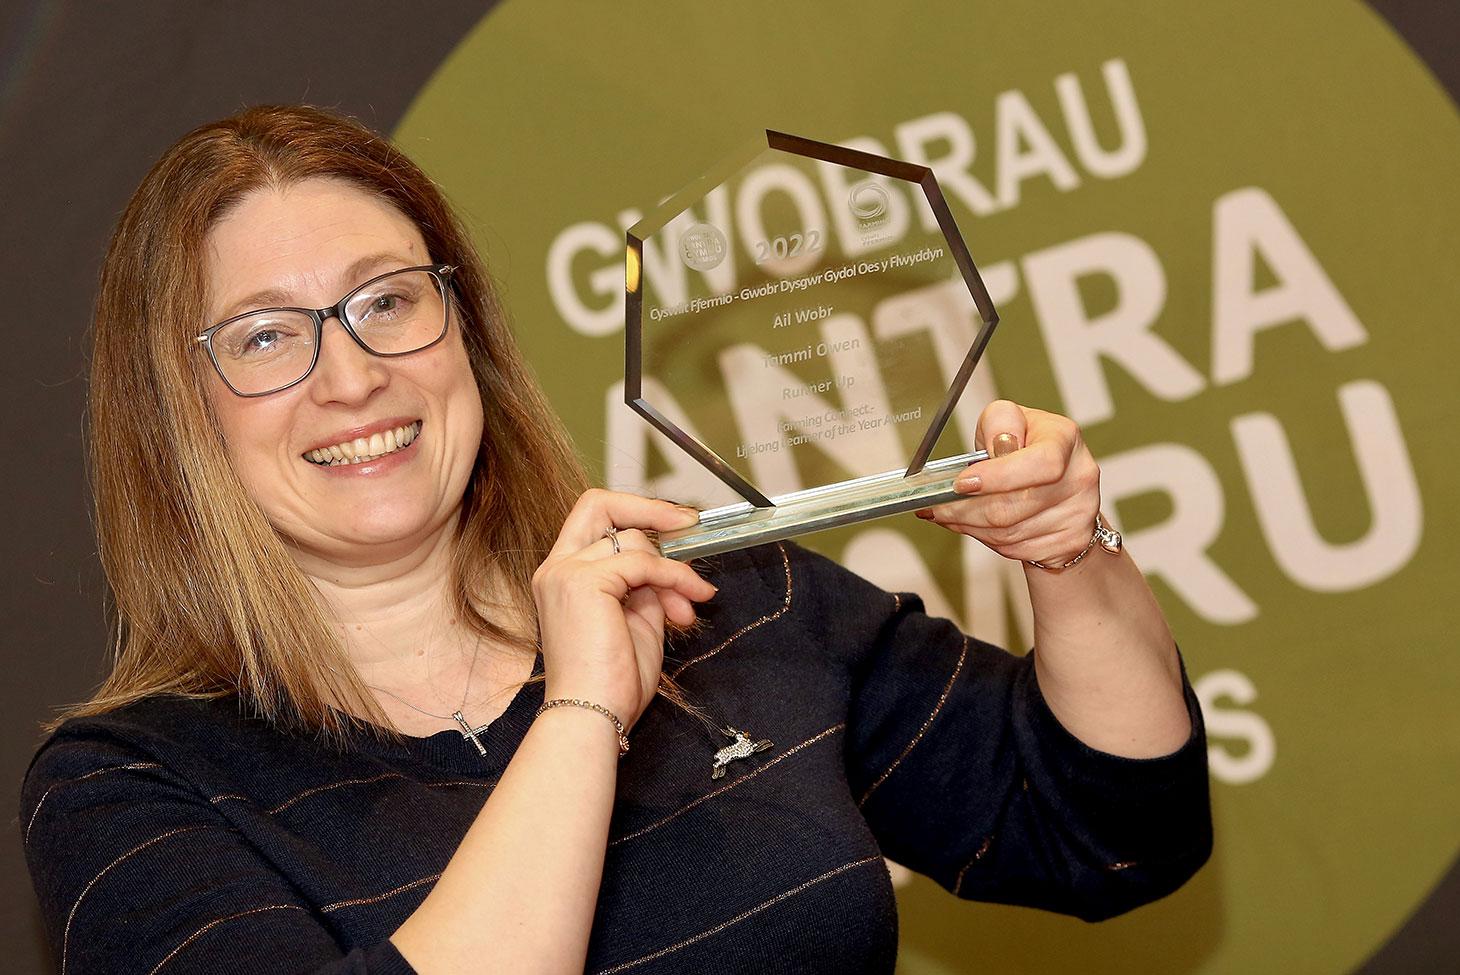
[803, 356]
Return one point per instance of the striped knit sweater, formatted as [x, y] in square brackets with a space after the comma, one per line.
[181, 836]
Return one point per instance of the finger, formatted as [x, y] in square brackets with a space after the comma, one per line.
[629, 539]
[647, 604]
[1053, 536]
[997, 512]
[1050, 444]
[1001, 428]
[623, 573]
[1006, 520]
[677, 609]
[597, 509]
[1037, 465]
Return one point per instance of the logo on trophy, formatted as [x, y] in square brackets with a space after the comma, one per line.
[783, 331]
[869, 202]
[703, 246]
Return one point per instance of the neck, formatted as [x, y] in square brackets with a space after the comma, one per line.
[394, 614]
[396, 618]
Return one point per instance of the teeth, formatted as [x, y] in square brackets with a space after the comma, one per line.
[361, 450]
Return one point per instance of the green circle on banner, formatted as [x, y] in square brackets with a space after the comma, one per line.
[1222, 238]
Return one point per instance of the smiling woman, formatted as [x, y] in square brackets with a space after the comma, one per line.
[384, 360]
[277, 208]
[379, 654]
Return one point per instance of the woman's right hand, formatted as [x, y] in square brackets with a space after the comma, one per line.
[601, 616]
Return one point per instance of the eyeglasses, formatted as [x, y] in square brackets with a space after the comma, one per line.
[270, 349]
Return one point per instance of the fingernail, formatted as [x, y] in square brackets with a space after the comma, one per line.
[1004, 443]
[924, 513]
[968, 485]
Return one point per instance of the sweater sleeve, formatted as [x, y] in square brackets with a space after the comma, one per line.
[136, 872]
[966, 776]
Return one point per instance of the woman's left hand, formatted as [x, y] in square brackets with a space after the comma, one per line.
[1036, 497]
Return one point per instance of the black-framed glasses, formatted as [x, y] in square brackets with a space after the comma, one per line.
[270, 349]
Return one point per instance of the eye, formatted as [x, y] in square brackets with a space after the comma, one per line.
[389, 306]
[263, 338]
[262, 341]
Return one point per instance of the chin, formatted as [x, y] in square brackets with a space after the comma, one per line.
[378, 525]
[387, 527]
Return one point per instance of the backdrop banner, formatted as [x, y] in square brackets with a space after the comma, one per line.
[1214, 240]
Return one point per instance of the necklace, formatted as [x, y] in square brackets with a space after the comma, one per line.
[467, 731]
[743, 746]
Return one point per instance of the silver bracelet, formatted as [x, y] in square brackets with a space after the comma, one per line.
[1108, 538]
[618, 726]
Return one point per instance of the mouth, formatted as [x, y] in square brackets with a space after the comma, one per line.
[364, 449]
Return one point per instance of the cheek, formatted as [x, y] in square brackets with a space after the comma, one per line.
[466, 399]
[252, 432]
[230, 409]
[471, 406]
[466, 432]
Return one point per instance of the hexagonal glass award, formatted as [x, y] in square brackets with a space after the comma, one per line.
[777, 323]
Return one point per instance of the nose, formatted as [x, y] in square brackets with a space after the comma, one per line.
[345, 372]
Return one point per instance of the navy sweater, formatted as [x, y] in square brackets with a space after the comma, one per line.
[179, 836]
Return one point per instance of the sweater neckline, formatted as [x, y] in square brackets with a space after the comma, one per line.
[451, 750]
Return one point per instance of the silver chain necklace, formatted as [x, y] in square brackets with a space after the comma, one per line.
[467, 731]
[743, 746]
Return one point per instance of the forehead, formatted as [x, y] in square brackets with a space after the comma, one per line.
[295, 244]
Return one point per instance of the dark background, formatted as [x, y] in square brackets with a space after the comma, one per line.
[90, 95]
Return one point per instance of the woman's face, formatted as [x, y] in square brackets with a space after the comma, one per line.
[309, 244]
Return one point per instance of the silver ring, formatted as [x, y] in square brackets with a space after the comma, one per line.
[611, 533]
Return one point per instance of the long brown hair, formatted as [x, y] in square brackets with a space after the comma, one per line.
[205, 598]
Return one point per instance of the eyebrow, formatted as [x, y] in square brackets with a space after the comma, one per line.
[276, 297]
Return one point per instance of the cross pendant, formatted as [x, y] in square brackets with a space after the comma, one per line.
[470, 733]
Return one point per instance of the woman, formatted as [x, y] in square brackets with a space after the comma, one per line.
[384, 697]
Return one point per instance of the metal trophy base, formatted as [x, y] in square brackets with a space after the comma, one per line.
[742, 525]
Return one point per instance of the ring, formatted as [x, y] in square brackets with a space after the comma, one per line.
[611, 533]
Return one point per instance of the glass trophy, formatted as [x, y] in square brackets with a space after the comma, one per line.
[779, 321]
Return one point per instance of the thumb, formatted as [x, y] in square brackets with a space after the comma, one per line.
[1001, 428]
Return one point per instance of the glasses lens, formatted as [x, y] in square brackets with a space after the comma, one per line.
[264, 352]
[401, 312]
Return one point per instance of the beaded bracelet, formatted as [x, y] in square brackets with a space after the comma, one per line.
[623, 741]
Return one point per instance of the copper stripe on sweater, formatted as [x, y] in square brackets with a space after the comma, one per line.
[729, 785]
[753, 624]
[213, 924]
[942, 698]
[335, 785]
[740, 917]
[358, 901]
[977, 856]
[110, 768]
[66, 932]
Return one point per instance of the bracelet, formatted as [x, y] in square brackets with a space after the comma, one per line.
[1108, 538]
[618, 726]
